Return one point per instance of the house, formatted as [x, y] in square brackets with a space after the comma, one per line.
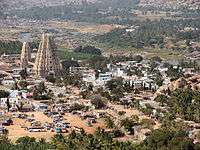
[138, 84]
[17, 71]
[27, 108]
[125, 101]
[12, 58]
[76, 70]
[134, 81]
[8, 82]
[26, 95]
[21, 94]
[104, 77]
[15, 93]
[12, 101]
[118, 72]
[188, 70]
[149, 84]
[89, 77]
[3, 102]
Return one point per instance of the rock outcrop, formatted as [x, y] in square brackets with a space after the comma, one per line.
[47, 59]
[190, 82]
[25, 55]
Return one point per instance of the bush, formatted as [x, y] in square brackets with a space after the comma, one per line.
[88, 50]
[147, 123]
[51, 78]
[76, 107]
[117, 133]
[4, 94]
[97, 101]
[121, 113]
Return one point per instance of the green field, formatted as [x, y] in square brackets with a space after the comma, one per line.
[65, 54]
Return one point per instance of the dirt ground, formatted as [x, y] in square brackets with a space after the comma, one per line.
[15, 130]
[77, 121]
[130, 112]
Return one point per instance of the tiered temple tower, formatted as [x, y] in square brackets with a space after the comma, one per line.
[47, 59]
[25, 55]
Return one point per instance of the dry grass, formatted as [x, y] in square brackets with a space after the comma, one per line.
[83, 27]
[153, 16]
[165, 54]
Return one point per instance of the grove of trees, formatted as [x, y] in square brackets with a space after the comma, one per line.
[159, 139]
[183, 103]
[151, 33]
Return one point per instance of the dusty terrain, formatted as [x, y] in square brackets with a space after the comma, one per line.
[15, 130]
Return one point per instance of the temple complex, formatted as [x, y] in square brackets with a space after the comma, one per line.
[47, 61]
[25, 55]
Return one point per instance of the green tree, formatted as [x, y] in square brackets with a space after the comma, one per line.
[40, 92]
[51, 78]
[23, 84]
[147, 123]
[128, 124]
[109, 122]
[162, 99]
[98, 101]
[23, 73]
[4, 94]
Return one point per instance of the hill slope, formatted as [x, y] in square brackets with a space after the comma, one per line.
[170, 4]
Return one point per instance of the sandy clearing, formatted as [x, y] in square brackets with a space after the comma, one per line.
[15, 130]
[77, 121]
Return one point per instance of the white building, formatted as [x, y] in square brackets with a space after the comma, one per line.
[89, 77]
[118, 73]
[8, 82]
[104, 77]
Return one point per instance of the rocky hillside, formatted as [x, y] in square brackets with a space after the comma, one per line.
[192, 82]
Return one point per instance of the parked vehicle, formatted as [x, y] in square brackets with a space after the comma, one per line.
[36, 129]
[66, 125]
[64, 130]
[58, 130]
[7, 122]
[3, 130]
[35, 123]
[77, 129]
[22, 116]
[30, 119]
